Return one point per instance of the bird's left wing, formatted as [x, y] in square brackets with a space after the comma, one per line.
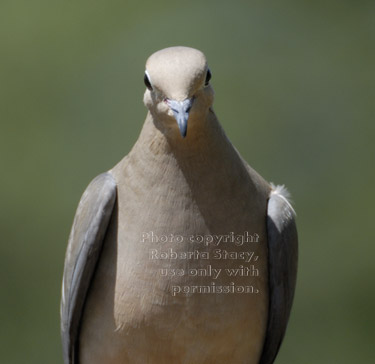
[282, 270]
[85, 243]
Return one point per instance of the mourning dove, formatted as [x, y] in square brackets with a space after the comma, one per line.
[181, 253]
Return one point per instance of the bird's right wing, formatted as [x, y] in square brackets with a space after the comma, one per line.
[85, 244]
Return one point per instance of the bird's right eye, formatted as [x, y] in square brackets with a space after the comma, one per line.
[147, 82]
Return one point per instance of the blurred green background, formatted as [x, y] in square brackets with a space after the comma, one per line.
[295, 87]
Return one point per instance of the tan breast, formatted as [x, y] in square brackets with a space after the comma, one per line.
[183, 273]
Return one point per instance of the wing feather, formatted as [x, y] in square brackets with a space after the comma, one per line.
[84, 247]
[282, 264]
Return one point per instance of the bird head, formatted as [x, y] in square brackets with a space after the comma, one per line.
[178, 90]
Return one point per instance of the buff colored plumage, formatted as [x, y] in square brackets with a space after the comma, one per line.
[182, 177]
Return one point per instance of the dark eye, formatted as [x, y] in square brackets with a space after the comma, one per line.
[147, 82]
[208, 77]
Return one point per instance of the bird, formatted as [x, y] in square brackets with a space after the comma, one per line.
[182, 252]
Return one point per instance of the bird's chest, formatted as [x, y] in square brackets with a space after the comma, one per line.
[188, 268]
[184, 272]
[182, 236]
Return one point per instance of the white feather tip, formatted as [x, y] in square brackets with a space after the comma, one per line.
[283, 192]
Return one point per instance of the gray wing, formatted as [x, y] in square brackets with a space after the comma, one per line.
[85, 243]
[282, 263]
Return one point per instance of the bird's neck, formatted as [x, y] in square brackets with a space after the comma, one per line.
[205, 138]
[203, 167]
[206, 154]
[202, 170]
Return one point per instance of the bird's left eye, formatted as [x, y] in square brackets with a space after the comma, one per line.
[208, 77]
[147, 82]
